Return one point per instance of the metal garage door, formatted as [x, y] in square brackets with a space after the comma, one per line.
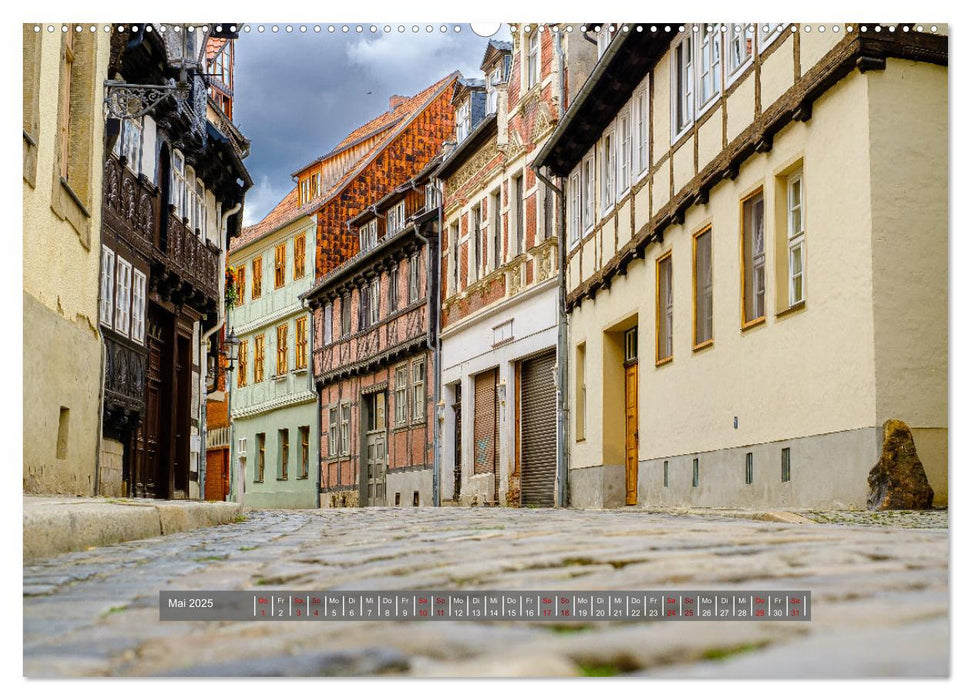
[538, 430]
[485, 449]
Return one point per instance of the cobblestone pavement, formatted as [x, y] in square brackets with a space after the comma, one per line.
[880, 596]
[935, 519]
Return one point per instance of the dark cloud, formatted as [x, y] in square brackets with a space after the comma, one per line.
[297, 95]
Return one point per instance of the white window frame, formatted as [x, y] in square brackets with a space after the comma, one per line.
[463, 121]
[576, 208]
[496, 252]
[588, 177]
[766, 38]
[138, 307]
[396, 218]
[418, 389]
[178, 183]
[199, 202]
[453, 244]
[345, 429]
[414, 278]
[741, 31]
[608, 171]
[328, 324]
[682, 78]
[374, 301]
[604, 37]
[333, 431]
[368, 235]
[533, 58]
[401, 394]
[640, 128]
[107, 308]
[129, 143]
[189, 201]
[431, 196]
[625, 159]
[708, 66]
[796, 237]
[123, 270]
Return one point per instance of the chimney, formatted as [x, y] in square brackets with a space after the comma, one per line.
[397, 100]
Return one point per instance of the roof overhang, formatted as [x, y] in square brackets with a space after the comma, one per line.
[611, 83]
[486, 129]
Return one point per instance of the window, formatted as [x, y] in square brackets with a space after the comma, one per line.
[414, 278]
[641, 122]
[299, 256]
[283, 453]
[257, 277]
[453, 244]
[259, 357]
[368, 233]
[281, 349]
[333, 433]
[129, 143]
[740, 46]
[533, 59]
[431, 196]
[496, 226]
[492, 94]
[665, 473]
[138, 307]
[374, 301]
[345, 429]
[304, 191]
[682, 80]
[418, 389]
[300, 359]
[178, 184]
[328, 324]
[401, 394]
[280, 265]
[304, 431]
[608, 172]
[393, 289]
[241, 361]
[703, 288]
[502, 332]
[240, 285]
[517, 207]
[604, 37]
[786, 475]
[199, 218]
[107, 285]
[260, 456]
[625, 153]
[396, 218]
[189, 198]
[588, 199]
[709, 64]
[748, 467]
[463, 122]
[123, 296]
[695, 476]
[576, 205]
[315, 185]
[753, 257]
[581, 390]
[477, 238]
[665, 310]
[345, 315]
[769, 33]
[630, 345]
[796, 221]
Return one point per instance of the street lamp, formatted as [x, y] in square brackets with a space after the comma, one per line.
[231, 352]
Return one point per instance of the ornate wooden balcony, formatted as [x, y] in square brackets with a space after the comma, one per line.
[193, 260]
[124, 402]
[130, 206]
[375, 346]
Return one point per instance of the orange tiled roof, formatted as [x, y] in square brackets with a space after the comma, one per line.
[213, 45]
[289, 210]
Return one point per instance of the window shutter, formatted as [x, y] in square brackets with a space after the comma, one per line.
[107, 284]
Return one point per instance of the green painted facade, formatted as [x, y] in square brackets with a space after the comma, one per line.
[275, 418]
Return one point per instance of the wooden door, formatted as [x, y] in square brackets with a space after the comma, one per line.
[147, 441]
[630, 412]
[376, 450]
[457, 453]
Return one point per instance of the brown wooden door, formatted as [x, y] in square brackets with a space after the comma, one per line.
[145, 477]
[630, 412]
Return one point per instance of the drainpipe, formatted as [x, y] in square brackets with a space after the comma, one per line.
[562, 338]
[431, 291]
[220, 320]
[313, 387]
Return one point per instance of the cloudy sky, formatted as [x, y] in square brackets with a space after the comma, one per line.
[298, 95]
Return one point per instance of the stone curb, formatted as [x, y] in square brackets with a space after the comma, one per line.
[54, 525]
[774, 516]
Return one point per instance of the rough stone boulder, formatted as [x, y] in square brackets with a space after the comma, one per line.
[898, 481]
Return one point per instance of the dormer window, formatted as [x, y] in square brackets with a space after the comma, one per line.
[315, 186]
[463, 121]
[368, 235]
[431, 197]
[492, 94]
[304, 191]
[396, 218]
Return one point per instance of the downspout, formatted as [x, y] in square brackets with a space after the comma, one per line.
[431, 290]
[313, 387]
[220, 320]
[562, 340]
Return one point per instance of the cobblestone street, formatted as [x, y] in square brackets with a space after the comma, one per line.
[880, 596]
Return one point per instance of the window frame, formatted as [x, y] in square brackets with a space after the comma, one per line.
[414, 278]
[534, 57]
[401, 390]
[280, 265]
[608, 171]
[346, 321]
[580, 377]
[626, 157]
[328, 322]
[283, 454]
[123, 284]
[260, 458]
[641, 127]
[240, 274]
[588, 178]
[241, 362]
[715, 66]
[732, 73]
[418, 396]
[765, 39]
[256, 287]
[300, 343]
[138, 305]
[299, 256]
[796, 239]
[259, 358]
[682, 77]
[576, 207]
[345, 428]
[333, 431]
[664, 260]
[695, 284]
[758, 319]
[106, 309]
[282, 349]
[495, 224]
[304, 433]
